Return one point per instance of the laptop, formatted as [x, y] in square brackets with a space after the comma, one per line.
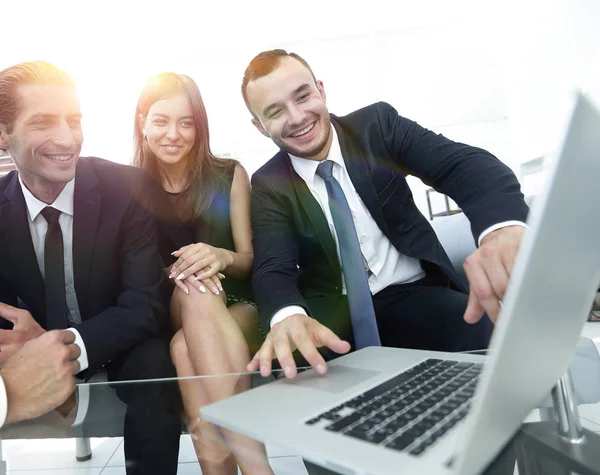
[388, 410]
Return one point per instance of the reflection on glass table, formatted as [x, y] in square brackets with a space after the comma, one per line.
[93, 421]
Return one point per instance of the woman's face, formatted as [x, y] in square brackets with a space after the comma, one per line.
[170, 129]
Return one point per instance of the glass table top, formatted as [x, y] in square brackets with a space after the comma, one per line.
[92, 422]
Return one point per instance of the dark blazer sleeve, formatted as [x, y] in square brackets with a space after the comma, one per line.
[485, 189]
[139, 311]
[275, 267]
[7, 297]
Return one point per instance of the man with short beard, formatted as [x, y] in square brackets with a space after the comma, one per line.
[342, 256]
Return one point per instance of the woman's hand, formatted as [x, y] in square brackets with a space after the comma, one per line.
[213, 283]
[201, 259]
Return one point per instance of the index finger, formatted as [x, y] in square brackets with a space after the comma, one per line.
[178, 252]
[265, 357]
[481, 287]
[9, 312]
[254, 362]
[283, 350]
[74, 351]
[474, 311]
[67, 337]
[308, 349]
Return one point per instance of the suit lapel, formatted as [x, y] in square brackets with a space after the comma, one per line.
[86, 214]
[315, 215]
[20, 246]
[360, 175]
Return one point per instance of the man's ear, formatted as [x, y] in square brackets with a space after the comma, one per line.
[321, 89]
[260, 127]
[3, 137]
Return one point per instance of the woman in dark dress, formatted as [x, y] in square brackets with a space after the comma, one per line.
[203, 216]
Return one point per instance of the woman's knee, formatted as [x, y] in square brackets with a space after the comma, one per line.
[199, 306]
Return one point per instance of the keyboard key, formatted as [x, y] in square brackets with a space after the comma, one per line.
[414, 432]
[447, 363]
[389, 384]
[343, 422]
[424, 425]
[377, 436]
[461, 397]
[368, 409]
[356, 434]
[435, 417]
[399, 406]
[330, 415]
[435, 398]
[396, 424]
[418, 450]
[385, 399]
[400, 443]
[391, 428]
[377, 419]
[463, 365]
[366, 426]
[402, 418]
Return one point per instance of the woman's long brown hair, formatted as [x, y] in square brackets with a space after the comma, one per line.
[204, 170]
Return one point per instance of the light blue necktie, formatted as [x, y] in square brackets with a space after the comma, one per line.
[362, 313]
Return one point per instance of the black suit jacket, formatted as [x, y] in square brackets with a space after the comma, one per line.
[117, 270]
[295, 259]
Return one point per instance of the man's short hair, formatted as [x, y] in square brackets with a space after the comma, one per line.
[264, 64]
[23, 74]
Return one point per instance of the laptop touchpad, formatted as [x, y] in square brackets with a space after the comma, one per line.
[338, 379]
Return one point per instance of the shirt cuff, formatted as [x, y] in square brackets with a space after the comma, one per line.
[497, 226]
[285, 312]
[3, 402]
[83, 359]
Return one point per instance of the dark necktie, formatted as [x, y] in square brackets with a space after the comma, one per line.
[362, 313]
[54, 270]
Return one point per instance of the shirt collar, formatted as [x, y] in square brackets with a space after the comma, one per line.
[63, 202]
[307, 169]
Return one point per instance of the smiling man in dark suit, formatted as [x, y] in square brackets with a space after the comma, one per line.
[78, 251]
[342, 256]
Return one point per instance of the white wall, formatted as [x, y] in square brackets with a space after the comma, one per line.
[493, 74]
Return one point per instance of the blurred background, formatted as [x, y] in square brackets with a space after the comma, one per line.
[495, 74]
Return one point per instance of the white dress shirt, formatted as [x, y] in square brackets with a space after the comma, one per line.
[38, 228]
[385, 264]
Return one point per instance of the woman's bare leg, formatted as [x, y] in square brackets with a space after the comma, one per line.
[216, 346]
[210, 447]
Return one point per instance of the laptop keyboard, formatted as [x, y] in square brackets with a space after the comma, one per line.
[408, 412]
